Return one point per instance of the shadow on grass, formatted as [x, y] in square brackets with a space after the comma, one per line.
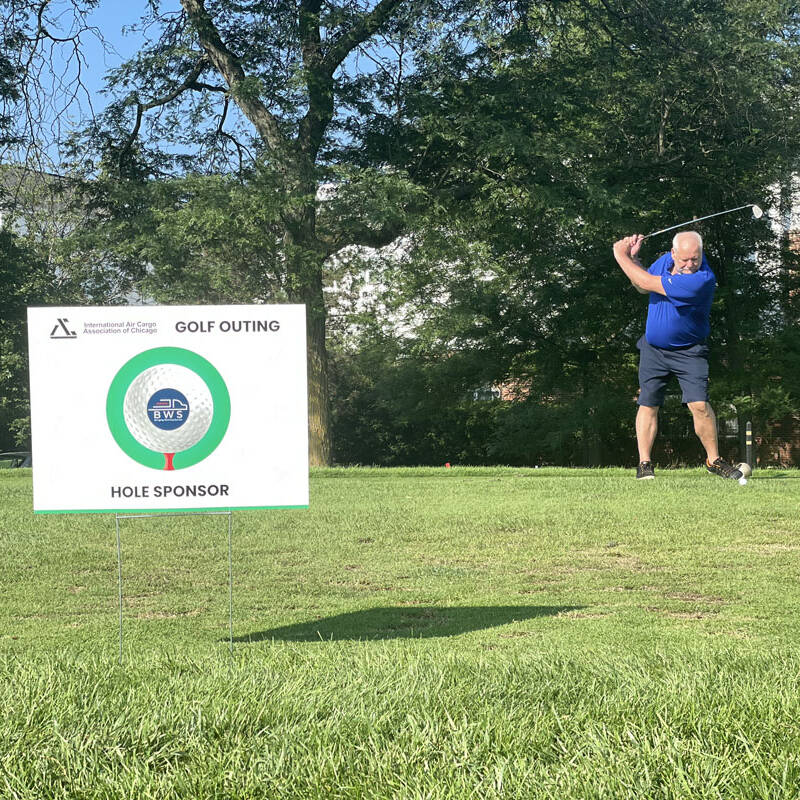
[404, 622]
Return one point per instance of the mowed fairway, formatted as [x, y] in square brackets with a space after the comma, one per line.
[421, 633]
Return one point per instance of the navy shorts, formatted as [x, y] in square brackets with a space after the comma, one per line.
[688, 364]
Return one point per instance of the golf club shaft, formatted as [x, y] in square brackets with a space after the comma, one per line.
[698, 219]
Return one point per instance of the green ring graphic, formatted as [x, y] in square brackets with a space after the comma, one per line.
[184, 358]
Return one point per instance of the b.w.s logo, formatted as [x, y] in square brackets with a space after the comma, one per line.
[168, 409]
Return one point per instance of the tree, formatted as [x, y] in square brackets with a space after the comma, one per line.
[513, 141]
[27, 274]
[265, 92]
[549, 142]
[41, 75]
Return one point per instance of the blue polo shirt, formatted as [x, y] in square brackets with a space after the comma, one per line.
[681, 318]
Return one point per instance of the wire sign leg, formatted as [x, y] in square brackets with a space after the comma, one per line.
[230, 579]
[119, 583]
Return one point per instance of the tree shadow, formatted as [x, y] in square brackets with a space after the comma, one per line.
[404, 622]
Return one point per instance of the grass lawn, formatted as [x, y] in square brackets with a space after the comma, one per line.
[424, 633]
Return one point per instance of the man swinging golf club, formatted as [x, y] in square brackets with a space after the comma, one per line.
[681, 287]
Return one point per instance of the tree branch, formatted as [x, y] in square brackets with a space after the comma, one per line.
[42, 74]
[187, 84]
[364, 236]
[366, 27]
[319, 81]
[240, 148]
[207, 87]
[231, 70]
[320, 69]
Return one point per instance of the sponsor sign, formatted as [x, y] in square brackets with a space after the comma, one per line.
[164, 408]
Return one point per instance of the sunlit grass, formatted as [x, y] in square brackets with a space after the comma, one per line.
[414, 633]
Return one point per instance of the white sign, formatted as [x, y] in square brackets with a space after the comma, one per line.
[164, 408]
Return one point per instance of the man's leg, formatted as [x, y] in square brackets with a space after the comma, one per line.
[705, 426]
[646, 429]
[653, 376]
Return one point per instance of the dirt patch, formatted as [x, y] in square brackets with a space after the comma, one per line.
[775, 547]
[766, 548]
[602, 560]
[694, 597]
[138, 599]
[169, 614]
[697, 614]
[630, 589]
[366, 586]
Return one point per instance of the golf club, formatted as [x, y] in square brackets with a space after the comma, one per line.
[757, 214]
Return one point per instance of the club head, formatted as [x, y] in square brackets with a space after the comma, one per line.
[757, 212]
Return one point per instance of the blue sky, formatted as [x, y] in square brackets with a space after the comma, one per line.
[101, 50]
[110, 18]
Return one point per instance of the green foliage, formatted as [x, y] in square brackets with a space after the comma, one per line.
[199, 238]
[549, 140]
[773, 402]
[504, 146]
[393, 409]
[9, 84]
[23, 282]
[590, 430]
[39, 266]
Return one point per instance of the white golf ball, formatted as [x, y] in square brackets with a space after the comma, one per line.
[742, 481]
[168, 408]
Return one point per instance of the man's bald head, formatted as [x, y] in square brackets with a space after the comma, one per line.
[687, 252]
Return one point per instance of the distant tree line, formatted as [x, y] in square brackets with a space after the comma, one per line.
[476, 161]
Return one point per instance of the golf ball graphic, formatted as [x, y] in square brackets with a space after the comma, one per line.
[168, 408]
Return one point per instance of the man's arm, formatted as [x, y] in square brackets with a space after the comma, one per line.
[626, 252]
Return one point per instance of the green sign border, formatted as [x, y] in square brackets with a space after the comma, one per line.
[115, 402]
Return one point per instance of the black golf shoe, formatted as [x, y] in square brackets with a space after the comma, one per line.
[722, 468]
[645, 471]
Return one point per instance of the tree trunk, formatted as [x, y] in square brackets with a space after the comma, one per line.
[304, 259]
[296, 159]
[319, 435]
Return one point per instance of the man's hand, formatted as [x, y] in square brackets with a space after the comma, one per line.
[626, 252]
[629, 246]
